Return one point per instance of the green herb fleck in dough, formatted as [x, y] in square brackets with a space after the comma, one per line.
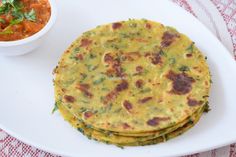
[133, 25]
[98, 81]
[162, 53]
[172, 61]
[105, 89]
[102, 98]
[91, 67]
[145, 90]
[84, 76]
[84, 101]
[190, 48]
[91, 56]
[81, 130]
[55, 108]
[82, 109]
[118, 110]
[124, 35]
[207, 107]
[89, 126]
[211, 81]
[184, 68]
[76, 49]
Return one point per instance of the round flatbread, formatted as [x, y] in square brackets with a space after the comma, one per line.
[132, 77]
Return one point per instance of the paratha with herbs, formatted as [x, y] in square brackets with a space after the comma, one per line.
[132, 78]
[124, 140]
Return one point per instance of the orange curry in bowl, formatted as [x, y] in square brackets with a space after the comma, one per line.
[20, 19]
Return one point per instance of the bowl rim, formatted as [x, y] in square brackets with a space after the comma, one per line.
[37, 35]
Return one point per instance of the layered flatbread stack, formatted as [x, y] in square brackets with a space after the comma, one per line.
[132, 83]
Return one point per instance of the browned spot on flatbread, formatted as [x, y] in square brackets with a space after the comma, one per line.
[189, 55]
[156, 58]
[144, 100]
[110, 96]
[147, 54]
[79, 56]
[88, 114]
[131, 56]
[181, 83]
[127, 105]
[126, 126]
[83, 86]
[113, 94]
[139, 83]
[168, 38]
[139, 69]
[114, 66]
[69, 99]
[85, 89]
[122, 86]
[156, 120]
[193, 102]
[85, 42]
[141, 40]
[117, 68]
[148, 26]
[108, 58]
[116, 25]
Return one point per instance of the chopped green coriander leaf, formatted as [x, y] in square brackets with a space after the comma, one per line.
[18, 17]
[6, 32]
[16, 21]
[4, 9]
[2, 21]
[18, 5]
[7, 1]
[31, 16]
[15, 4]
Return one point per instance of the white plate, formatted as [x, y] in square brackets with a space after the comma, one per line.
[26, 89]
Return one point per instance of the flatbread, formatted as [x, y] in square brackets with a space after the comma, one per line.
[123, 140]
[132, 81]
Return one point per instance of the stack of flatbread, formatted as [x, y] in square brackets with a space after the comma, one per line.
[132, 83]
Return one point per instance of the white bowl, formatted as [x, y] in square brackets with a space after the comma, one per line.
[23, 46]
